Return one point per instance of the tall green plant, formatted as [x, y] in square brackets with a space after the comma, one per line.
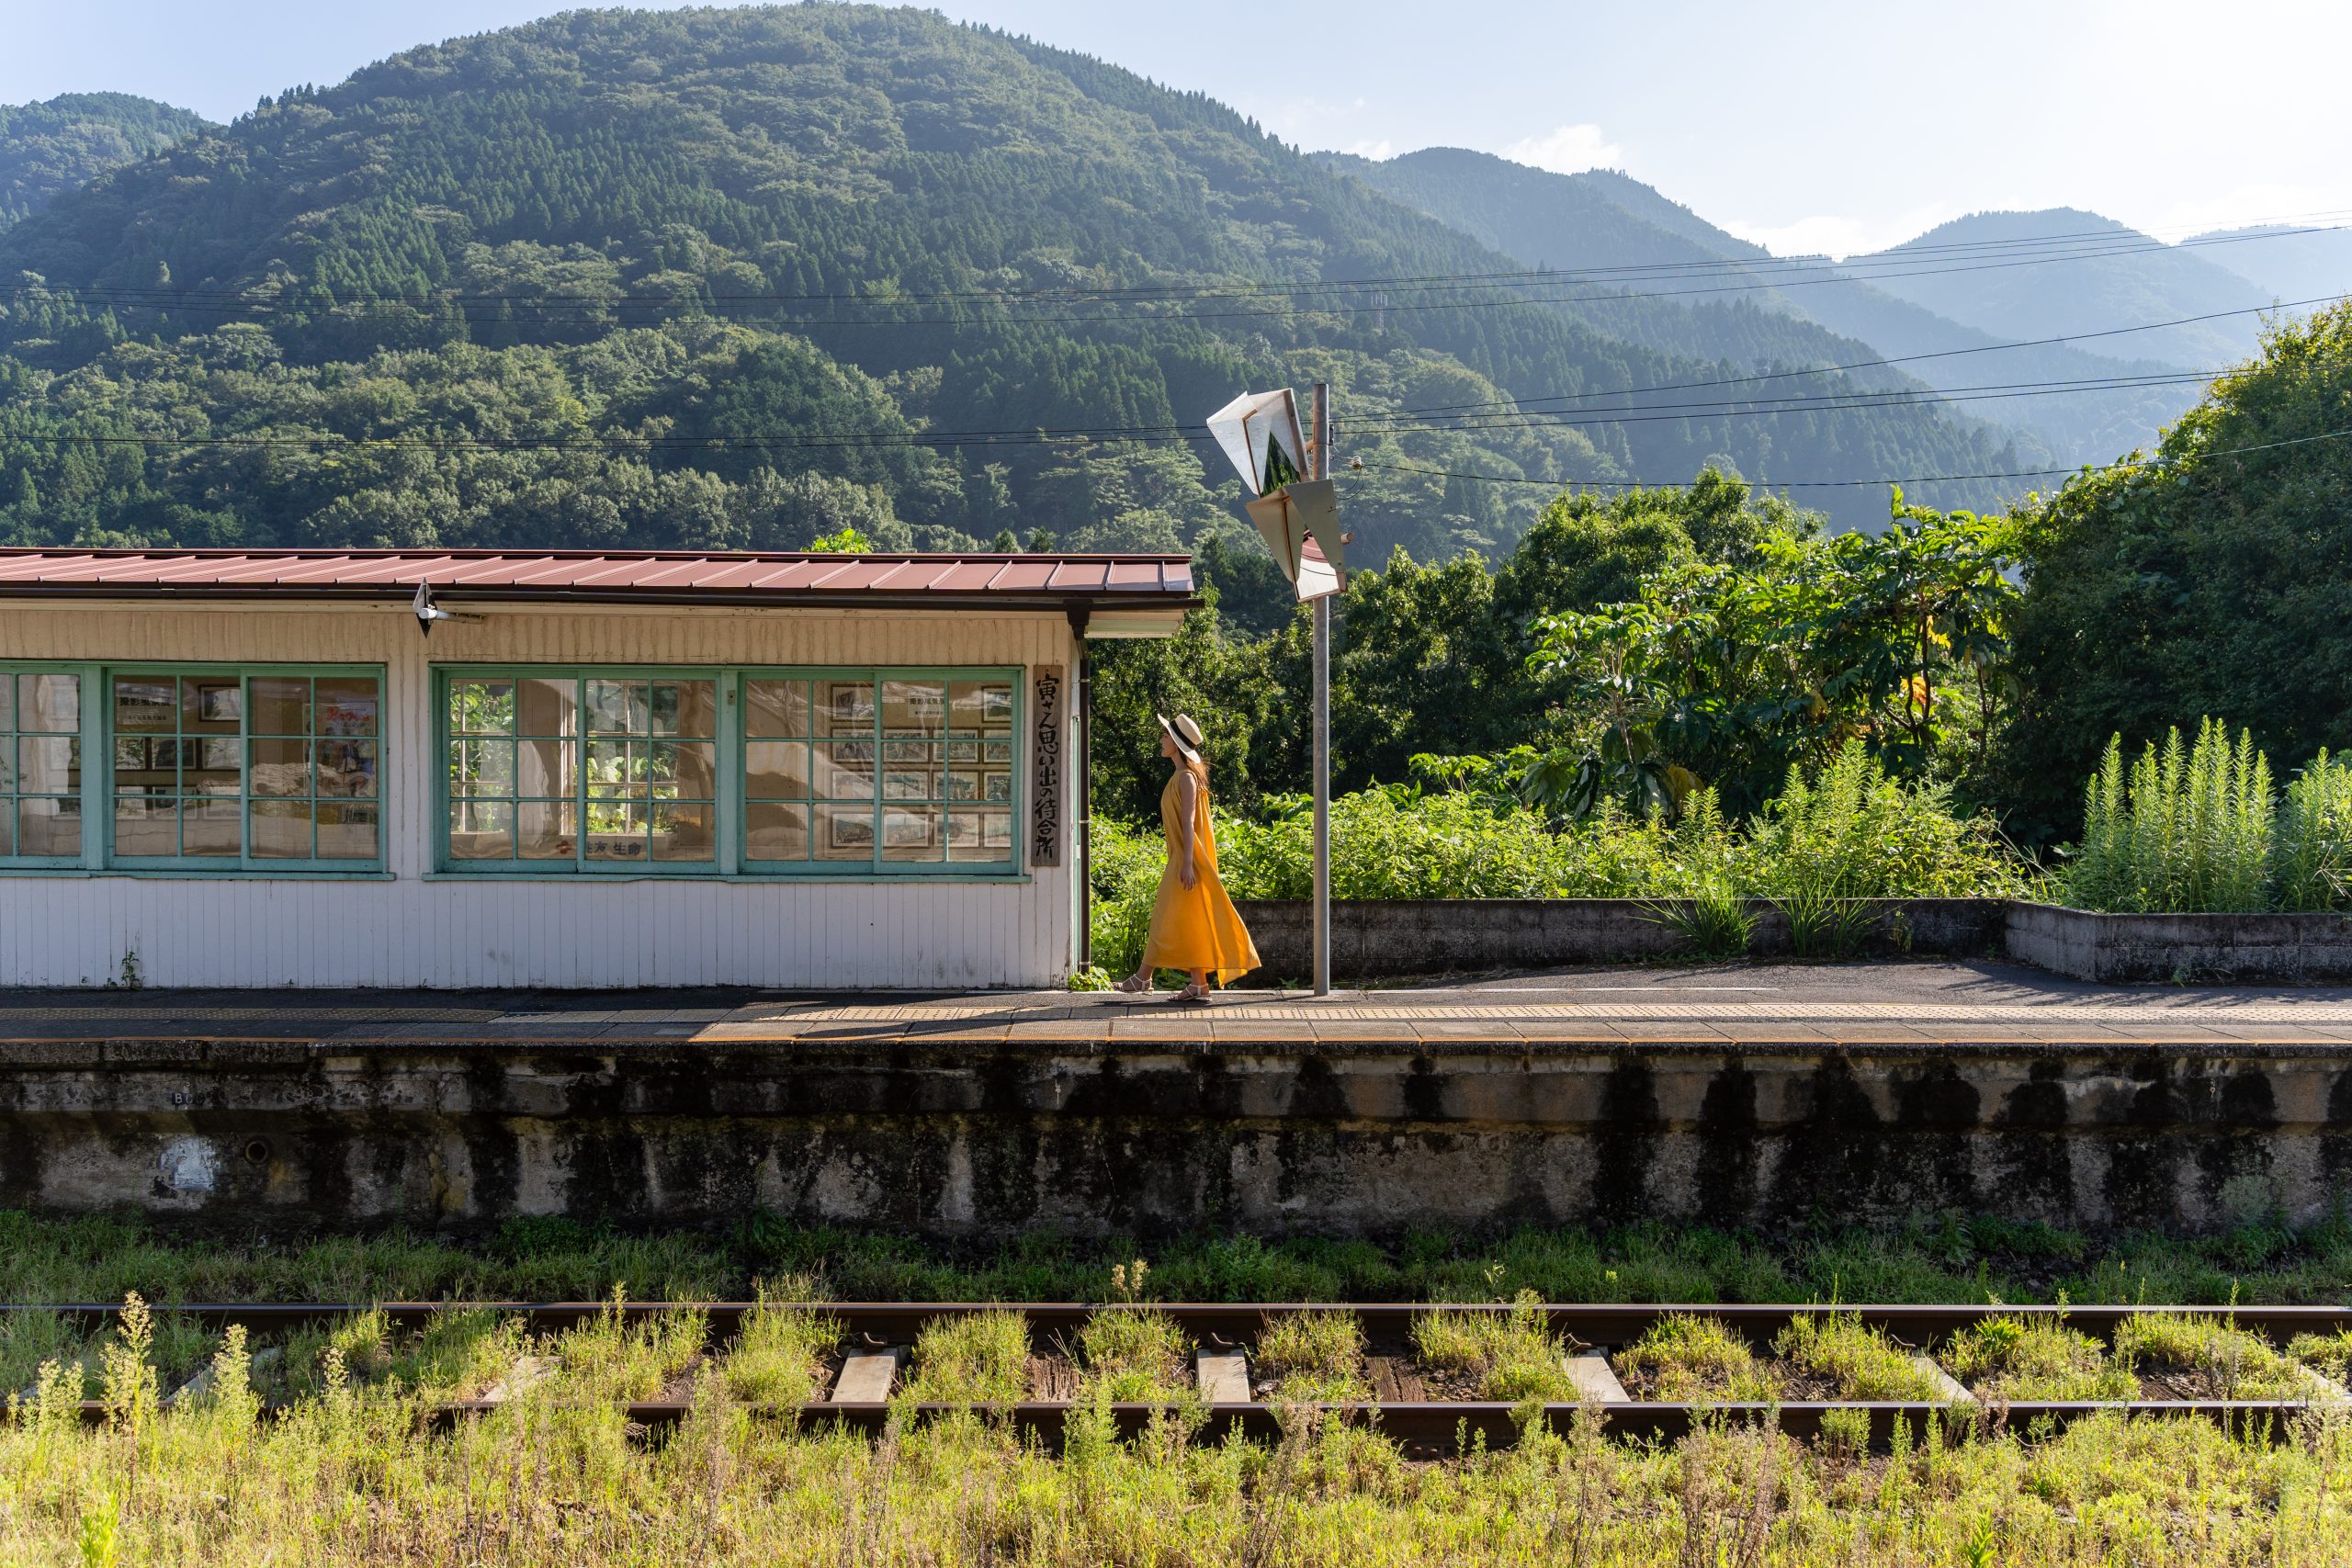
[2311, 859]
[2190, 828]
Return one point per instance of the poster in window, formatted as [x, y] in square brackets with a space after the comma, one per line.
[853, 832]
[907, 830]
[219, 701]
[850, 702]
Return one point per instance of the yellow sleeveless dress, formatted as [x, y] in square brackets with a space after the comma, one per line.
[1196, 928]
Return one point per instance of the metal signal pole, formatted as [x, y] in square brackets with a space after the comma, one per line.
[1319, 453]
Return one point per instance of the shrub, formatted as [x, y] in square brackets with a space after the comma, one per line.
[2312, 855]
[2195, 827]
[983, 1359]
[2018, 1358]
[1849, 831]
[1698, 1358]
[2190, 828]
[1510, 1355]
[1865, 1361]
[1314, 1356]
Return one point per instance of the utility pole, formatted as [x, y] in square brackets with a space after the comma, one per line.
[1318, 462]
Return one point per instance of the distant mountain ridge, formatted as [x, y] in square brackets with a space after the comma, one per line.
[48, 148]
[744, 277]
[2063, 270]
[1603, 219]
[2286, 261]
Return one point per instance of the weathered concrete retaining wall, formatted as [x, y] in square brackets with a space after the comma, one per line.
[2204, 949]
[1268, 1135]
[1376, 937]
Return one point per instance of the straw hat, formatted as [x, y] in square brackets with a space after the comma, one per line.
[1185, 732]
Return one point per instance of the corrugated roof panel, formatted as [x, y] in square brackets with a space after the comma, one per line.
[656, 574]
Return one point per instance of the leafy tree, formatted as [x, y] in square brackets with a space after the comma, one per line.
[2214, 578]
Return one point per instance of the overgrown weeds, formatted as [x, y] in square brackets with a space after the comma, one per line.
[1509, 1356]
[1697, 1358]
[2035, 1358]
[1314, 1358]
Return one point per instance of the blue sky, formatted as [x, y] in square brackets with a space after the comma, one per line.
[1810, 124]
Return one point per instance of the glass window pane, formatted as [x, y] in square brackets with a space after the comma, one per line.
[281, 705]
[211, 705]
[996, 750]
[963, 784]
[909, 784]
[913, 708]
[775, 709]
[348, 831]
[8, 698]
[979, 836]
[347, 705]
[683, 832]
[962, 751]
[844, 833]
[774, 768]
[921, 753]
[480, 831]
[845, 770]
[281, 829]
[545, 829]
[48, 704]
[146, 704]
[616, 768]
[980, 705]
[682, 771]
[618, 708]
[845, 708]
[347, 768]
[773, 830]
[996, 786]
[146, 824]
[7, 766]
[48, 827]
[281, 767]
[8, 809]
[548, 707]
[616, 831]
[482, 767]
[211, 767]
[212, 828]
[544, 767]
[911, 833]
[688, 708]
[481, 707]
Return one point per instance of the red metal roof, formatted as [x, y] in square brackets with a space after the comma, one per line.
[978, 581]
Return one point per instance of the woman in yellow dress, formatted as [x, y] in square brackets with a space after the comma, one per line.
[1193, 925]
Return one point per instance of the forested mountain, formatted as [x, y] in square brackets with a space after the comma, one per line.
[740, 276]
[2074, 272]
[2286, 261]
[1602, 219]
[75, 138]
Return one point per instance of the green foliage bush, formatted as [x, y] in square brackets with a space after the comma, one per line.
[2196, 827]
[1846, 831]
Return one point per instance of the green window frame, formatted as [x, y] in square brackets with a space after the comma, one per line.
[848, 774]
[43, 777]
[270, 768]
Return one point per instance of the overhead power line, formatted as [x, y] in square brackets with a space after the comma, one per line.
[1846, 484]
[497, 309]
[1145, 434]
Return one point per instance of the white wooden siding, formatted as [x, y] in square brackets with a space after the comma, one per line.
[582, 931]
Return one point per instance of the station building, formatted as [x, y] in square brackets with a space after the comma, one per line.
[246, 769]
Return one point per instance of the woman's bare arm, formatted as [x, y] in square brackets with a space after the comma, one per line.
[1188, 801]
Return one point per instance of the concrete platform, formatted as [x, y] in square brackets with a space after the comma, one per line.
[1733, 1095]
[1859, 1004]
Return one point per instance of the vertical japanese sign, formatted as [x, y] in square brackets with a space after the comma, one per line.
[1047, 766]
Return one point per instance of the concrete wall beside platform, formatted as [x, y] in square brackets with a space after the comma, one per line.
[959, 1136]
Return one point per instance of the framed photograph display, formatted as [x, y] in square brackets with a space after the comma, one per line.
[219, 701]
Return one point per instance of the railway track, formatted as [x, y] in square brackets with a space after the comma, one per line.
[877, 1336]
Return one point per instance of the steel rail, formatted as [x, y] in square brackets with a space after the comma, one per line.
[1586, 1323]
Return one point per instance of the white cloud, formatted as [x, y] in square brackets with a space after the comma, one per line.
[1379, 151]
[1570, 150]
[1834, 234]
